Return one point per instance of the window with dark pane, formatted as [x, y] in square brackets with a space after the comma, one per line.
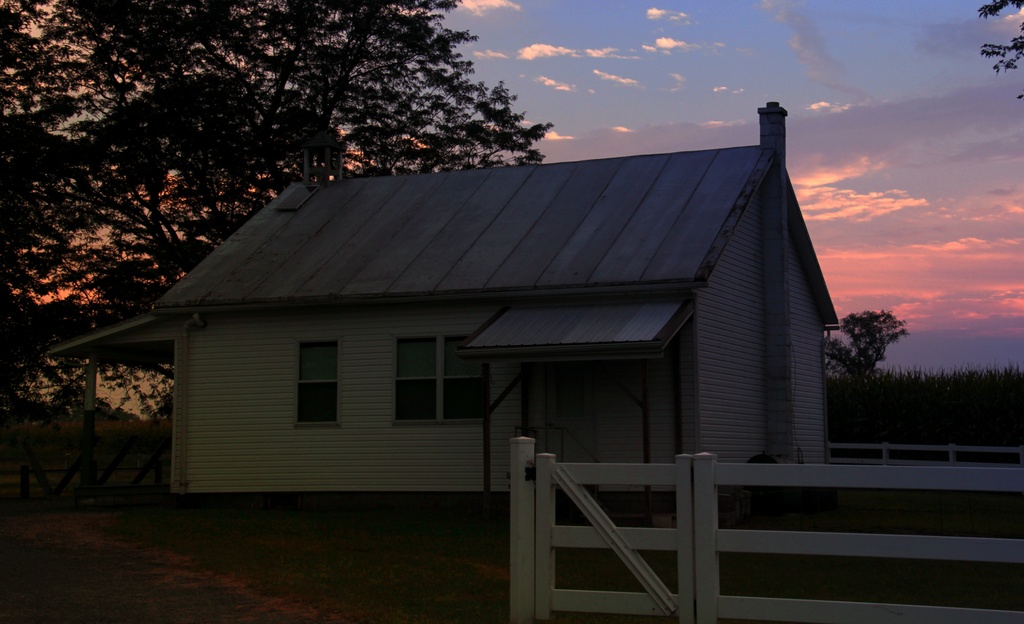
[318, 382]
[416, 380]
[433, 383]
[463, 385]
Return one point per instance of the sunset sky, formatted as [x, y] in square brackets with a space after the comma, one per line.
[905, 148]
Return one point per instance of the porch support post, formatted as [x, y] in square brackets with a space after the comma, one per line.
[486, 371]
[89, 422]
[677, 393]
[526, 373]
[646, 408]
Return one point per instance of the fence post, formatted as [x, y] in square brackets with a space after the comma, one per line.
[23, 479]
[885, 453]
[37, 468]
[522, 531]
[705, 521]
[544, 575]
[684, 539]
[952, 454]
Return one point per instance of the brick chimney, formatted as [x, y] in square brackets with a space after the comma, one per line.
[773, 128]
[780, 440]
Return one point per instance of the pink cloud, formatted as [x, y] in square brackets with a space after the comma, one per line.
[479, 7]
[543, 50]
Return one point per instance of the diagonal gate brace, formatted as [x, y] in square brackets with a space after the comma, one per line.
[661, 595]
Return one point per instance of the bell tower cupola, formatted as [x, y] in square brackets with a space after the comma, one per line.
[322, 159]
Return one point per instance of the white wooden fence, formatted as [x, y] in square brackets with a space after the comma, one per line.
[887, 454]
[698, 540]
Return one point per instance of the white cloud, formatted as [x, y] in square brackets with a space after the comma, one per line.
[721, 124]
[667, 44]
[606, 53]
[490, 54]
[810, 46]
[664, 14]
[479, 7]
[543, 50]
[629, 82]
[680, 82]
[557, 86]
[828, 107]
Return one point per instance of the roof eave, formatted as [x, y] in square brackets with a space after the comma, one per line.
[746, 195]
[809, 260]
[576, 293]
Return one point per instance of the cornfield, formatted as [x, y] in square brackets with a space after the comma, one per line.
[64, 439]
[966, 407]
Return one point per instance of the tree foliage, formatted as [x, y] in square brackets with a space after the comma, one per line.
[138, 134]
[39, 219]
[1008, 54]
[868, 335]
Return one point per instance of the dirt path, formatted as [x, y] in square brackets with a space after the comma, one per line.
[57, 566]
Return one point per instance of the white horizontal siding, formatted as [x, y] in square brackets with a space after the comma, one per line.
[241, 431]
[730, 328]
[808, 374]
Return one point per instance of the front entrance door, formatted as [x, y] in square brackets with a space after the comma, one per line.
[571, 419]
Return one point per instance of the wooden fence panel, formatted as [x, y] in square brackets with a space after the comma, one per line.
[698, 540]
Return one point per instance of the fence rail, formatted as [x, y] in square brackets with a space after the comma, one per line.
[21, 484]
[887, 454]
[698, 540]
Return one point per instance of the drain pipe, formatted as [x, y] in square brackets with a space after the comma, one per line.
[179, 458]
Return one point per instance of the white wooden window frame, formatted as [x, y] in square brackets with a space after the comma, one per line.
[439, 378]
[299, 381]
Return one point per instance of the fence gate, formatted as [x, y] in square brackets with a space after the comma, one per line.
[697, 540]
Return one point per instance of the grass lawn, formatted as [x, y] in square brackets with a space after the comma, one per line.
[430, 566]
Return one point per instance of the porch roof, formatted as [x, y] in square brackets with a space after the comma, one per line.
[577, 332]
[130, 341]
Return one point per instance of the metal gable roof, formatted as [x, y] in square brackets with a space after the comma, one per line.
[612, 222]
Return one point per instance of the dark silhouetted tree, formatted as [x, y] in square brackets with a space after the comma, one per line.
[868, 335]
[146, 132]
[1008, 54]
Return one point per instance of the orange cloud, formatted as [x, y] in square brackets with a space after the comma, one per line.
[819, 174]
[964, 284]
[827, 203]
[554, 136]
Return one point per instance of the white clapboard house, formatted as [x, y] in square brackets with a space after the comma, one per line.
[391, 334]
